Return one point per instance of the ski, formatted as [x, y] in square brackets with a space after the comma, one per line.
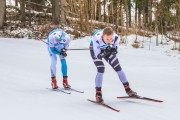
[72, 89]
[60, 90]
[140, 98]
[104, 105]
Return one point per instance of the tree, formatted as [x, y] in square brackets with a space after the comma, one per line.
[127, 12]
[129, 7]
[178, 13]
[150, 12]
[22, 12]
[165, 17]
[62, 2]
[55, 11]
[36, 4]
[2, 12]
[16, 2]
[104, 10]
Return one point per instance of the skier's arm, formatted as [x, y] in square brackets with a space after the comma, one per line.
[68, 39]
[54, 50]
[96, 47]
[66, 45]
[117, 41]
[114, 50]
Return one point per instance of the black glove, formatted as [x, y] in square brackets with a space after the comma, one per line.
[108, 50]
[104, 52]
[113, 51]
[63, 52]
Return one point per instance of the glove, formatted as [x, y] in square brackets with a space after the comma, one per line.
[63, 52]
[114, 51]
[108, 50]
[104, 52]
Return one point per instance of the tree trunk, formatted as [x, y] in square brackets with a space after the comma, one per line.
[139, 18]
[16, 2]
[136, 13]
[112, 13]
[129, 6]
[146, 12]
[81, 17]
[150, 12]
[89, 9]
[121, 13]
[2, 12]
[178, 15]
[55, 11]
[63, 20]
[22, 12]
[116, 9]
[127, 13]
[104, 2]
[98, 11]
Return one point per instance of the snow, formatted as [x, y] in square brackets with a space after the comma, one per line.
[10, 2]
[25, 75]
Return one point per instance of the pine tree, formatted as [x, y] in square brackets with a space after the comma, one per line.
[2, 12]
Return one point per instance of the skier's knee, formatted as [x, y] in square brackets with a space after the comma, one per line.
[118, 68]
[101, 69]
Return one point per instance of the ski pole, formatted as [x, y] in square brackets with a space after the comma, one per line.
[44, 41]
[67, 49]
[78, 49]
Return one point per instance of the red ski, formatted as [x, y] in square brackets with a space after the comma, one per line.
[104, 105]
[140, 97]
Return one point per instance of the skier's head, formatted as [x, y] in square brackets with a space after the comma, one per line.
[60, 35]
[108, 35]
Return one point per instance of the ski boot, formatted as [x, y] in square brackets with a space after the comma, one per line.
[128, 90]
[99, 98]
[65, 83]
[54, 83]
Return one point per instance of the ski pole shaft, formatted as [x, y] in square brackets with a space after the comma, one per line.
[67, 49]
[44, 41]
[78, 49]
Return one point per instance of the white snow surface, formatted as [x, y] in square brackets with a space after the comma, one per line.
[25, 77]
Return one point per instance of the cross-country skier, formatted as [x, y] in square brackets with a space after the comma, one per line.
[58, 42]
[104, 44]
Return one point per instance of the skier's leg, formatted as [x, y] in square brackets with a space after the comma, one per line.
[53, 71]
[114, 62]
[99, 76]
[53, 65]
[63, 66]
[64, 72]
[100, 69]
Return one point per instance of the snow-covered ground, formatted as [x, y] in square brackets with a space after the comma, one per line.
[25, 75]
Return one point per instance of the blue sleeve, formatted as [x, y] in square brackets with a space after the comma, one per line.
[54, 51]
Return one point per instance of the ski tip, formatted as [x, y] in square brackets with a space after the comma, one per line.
[80, 91]
[159, 101]
[143, 98]
[103, 104]
[89, 100]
